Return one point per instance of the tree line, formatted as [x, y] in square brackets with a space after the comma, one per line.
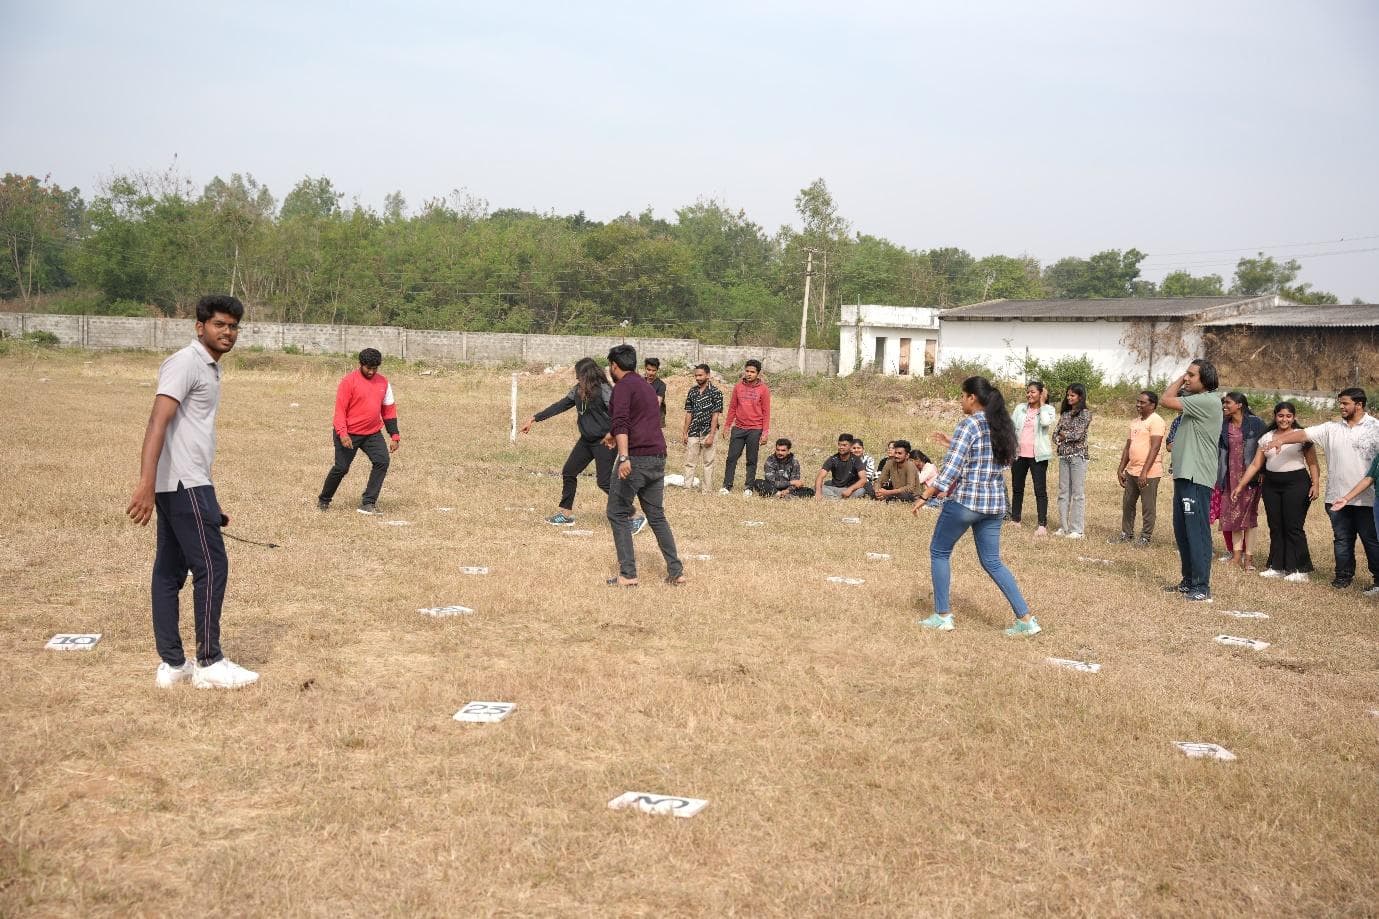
[152, 243]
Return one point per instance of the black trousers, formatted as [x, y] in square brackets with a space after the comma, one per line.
[1346, 524]
[750, 438]
[582, 454]
[1285, 507]
[375, 446]
[189, 540]
[1040, 470]
[766, 490]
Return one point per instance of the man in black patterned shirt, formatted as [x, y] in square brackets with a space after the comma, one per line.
[703, 408]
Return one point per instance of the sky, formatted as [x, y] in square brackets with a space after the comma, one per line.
[1196, 132]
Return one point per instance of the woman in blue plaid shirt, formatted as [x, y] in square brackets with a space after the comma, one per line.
[982, 446]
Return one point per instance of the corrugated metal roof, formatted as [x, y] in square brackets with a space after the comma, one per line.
[1121, 308]
[1336, 316]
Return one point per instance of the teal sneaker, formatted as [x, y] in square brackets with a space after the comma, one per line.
[560, 520]
[939, 622]
[1027, 626]
[638, 524]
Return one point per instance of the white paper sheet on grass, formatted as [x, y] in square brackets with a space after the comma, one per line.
[1196, 750]
[66, 641]
[579, 533]
[485, 712]
[658, 804]
[878, 556]
[1083, 666]
[440, 612]
[473, 569]
[1246, 614]
[1235, 641]
[851, 582]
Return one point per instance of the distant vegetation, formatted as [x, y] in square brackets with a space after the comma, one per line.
[150, 242]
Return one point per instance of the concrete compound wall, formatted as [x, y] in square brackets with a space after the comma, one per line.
[410, 344]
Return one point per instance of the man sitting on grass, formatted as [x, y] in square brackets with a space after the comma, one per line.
[899, 479]
[847, 475]
[781, 478]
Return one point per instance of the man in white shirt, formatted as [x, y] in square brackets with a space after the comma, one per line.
[175, 478]
[1350, 446]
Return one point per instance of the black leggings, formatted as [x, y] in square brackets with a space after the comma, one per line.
[1285, 507]
[1040, 469]
[584, 453]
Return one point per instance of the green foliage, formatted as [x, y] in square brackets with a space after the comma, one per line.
[1263, 275]
[41, 338]
[123, 308]
[291, 349]
[1064, 372]
[1111, 273]
[39, 222]
[1184, 284]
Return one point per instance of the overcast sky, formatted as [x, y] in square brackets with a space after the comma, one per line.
[1046, 128]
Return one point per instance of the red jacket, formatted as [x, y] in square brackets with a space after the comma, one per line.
[750, 408]
[362, 406]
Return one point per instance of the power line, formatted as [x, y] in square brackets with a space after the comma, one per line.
[1321, 242]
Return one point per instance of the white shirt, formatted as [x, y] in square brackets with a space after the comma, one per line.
[1349, 451]
[1289, 458]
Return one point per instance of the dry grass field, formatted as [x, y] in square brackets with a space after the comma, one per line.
[853, 763]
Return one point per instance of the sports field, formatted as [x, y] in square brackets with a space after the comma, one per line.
[852, 763]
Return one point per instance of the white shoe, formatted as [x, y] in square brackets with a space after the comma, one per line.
[1060, 532]
[1270, 573]
[169, 676]
[1226, 558]
[223, 674]
[1371, 591]
[748, 493]
[1298, 577]
[724, 492]
[1074, 536]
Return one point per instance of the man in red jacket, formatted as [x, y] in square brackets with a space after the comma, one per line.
[363, 408]
[749, 418]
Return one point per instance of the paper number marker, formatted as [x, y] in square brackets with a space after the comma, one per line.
[851, 582]
[1236, 641]
[442, 611]
[473, 569]
[1083, 666]
[64, 642]
[485, 712]
[700, 558]
[399, 523]
[577, 532]
[1204, 750]
[658, 804]
[852, 520]
[754, 523]
[1094, 561]
[878, 556]
[1241, 614]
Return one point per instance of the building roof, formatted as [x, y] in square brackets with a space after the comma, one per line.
[1126, 308]
[1335, 316]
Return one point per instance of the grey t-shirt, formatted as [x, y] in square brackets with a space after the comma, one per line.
[192, 377]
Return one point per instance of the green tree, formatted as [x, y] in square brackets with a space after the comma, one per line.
[317, 199]
[1111, 273]
[39, 223]
[1184, 284]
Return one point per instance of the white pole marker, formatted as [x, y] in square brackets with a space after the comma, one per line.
[1082, 666]
[1204, 750]
[1235, 641]
[67, 642]
[658, 804]
[512, 433]
[485, 712]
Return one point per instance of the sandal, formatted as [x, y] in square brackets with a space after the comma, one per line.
[679, 581]
[617, 582]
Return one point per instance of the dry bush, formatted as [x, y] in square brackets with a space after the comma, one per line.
[854, 764]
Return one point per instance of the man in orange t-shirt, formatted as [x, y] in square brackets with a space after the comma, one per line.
[1141, 467]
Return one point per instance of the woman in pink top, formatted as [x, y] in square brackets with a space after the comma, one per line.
[1033, 422]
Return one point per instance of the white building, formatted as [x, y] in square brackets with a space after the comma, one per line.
[1130, 339]
[895, 340]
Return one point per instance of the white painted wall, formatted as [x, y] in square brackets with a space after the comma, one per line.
[1002, 346]
[917, 323]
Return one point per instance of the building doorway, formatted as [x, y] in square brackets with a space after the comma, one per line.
[930, 356]
[879, 362]
[904, 357]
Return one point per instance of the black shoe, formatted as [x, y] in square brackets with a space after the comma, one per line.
[1176, 589]
[1116, 540]
[1198, 597]
[322, 505]
[1142, 542]
[1340, 583]
[369, 509]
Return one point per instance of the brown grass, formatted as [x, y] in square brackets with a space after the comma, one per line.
[854, 764]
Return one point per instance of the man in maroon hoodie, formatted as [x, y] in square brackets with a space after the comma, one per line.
[640, 468]
[749, 418]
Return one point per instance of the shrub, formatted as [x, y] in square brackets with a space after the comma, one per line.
[42, 338]
[1066, 371]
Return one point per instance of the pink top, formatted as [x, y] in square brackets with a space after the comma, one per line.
[1027, 435]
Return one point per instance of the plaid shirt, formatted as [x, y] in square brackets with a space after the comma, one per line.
[981, 485]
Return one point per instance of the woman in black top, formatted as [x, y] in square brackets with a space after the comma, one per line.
[589, 397]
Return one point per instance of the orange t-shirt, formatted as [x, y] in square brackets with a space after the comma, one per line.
[1141, 430]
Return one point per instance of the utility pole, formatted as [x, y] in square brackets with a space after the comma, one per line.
[804, 311]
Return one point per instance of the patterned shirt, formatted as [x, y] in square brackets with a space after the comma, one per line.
[781, 472]
[1071, 433]
[702, 406]
[970, 464]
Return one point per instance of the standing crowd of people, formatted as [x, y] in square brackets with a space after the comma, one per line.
[1224, 461]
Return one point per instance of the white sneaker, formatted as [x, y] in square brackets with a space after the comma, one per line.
[748, 493]
[1074, 536]
[223, 674]
[1298, 577]
[1226, 558]
[1060, 532]
[1371, 591]
[1270, 573]
[724, 492]
[169, 676]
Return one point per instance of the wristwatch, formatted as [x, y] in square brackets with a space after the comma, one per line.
[621, 460]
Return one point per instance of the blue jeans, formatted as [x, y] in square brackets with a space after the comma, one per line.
[1346, 524]
[1192, 531]
[954, 520]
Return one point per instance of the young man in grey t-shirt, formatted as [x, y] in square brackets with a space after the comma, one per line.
[175, 478]
[1194, 474]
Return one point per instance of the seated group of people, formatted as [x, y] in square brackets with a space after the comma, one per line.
[849, 473]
